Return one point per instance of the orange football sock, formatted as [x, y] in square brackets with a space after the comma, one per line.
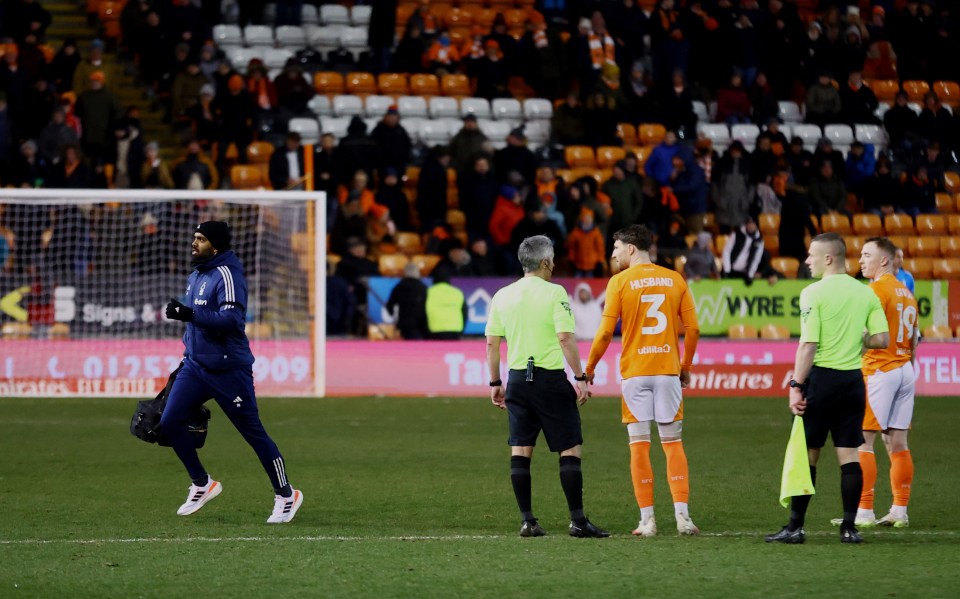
[677, 471]
[641, 471]
[868, 463]
[901, 476]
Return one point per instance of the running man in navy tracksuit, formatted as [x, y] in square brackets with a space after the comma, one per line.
[218, 363]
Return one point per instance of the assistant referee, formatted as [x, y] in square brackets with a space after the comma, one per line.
[535, 318]
[839, 316]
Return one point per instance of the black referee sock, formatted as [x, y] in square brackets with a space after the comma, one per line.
[799, 504]
[571, 479]
[851, 485]
[520, 477]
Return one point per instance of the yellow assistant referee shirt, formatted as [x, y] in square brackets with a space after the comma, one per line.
[834, 313]
[529, 314]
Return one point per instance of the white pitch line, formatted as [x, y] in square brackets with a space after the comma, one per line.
[332, 538]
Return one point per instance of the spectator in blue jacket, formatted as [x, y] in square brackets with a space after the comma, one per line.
[660, 162]
[218, 363]
[690, 186]
[859, 167]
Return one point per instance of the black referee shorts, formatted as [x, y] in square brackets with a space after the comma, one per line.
[549, 404]
[836, 400]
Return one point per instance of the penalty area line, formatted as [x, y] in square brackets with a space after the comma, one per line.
[354, 539]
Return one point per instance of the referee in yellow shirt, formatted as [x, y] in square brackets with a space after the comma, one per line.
[534, 316]
[839, 316]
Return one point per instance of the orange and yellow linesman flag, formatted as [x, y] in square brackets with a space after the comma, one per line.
[796, 466]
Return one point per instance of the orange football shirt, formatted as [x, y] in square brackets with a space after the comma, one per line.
[655, 305]
[900, 308]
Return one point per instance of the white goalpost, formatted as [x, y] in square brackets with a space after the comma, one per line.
[85, 275]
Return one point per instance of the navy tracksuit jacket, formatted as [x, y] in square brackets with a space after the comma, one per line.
[218, 364]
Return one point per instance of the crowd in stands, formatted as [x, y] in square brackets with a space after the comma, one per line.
[606, 65]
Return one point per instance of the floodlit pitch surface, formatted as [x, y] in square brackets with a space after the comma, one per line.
[411, 498]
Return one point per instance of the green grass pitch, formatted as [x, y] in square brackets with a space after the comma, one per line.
[411, 498]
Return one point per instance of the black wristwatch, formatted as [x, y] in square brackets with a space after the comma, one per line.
[795, 385]
[496, 383]
[581, 378]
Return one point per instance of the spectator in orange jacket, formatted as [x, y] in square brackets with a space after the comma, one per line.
[357, 191]
[585, 247]
[442, 56]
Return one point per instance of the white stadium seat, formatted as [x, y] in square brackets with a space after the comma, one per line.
[747, 134]
[840, 135]
[442, 107]
[376, 106]
[354, 39]
[810, 134]
[227, 36]
[496, 131]
[337, 126]
[505, 109]
[276, 58]
[412, 106]
[334, 14]
[326, 38]
[881, 110]
[309, 15]
[435, 132]
[290, 36]
[309, 129]
[537, 108]
[479, 107]
[537, 132]
[790, 112]
[360, 15]
[346, 105]
[717, 133]
[320, 105]
[241, 57]
[258, 35]
[700, 109]
[414, 127]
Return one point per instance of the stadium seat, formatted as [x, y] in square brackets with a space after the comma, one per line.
[408, 243]
[412, 106]
[424, 84]
[290, 36]
[258, 35]
[354, 40]
[937, 332]
[360, 15]
[309, 15]
[245, 176]
[952, 180]
[931, 224]
[871, 134]
[835, 223]
[383, 331]
[899, 241]
[334, 14]
[742, 331]
[650, 134]
[377, 106]
[628, 133]
[537, 109]
[785, 264]
[916, 90]
[360, 83]
[945, 202]
[881, 110]
[336, 126]
[329, 83]
[320, 105]
[17, 330]
[949, 246]
[456, 86]
[916, 107]
[227, 36]
[840, 135]
[309, 129]
[747, 134]
[59, 330]
[898, 224]
[457, 220]
[443, 107]
[241, 57]
[774, 332]
[538, 133]
[496, 131]
[790, 112]
[769, 224]
[507, 109]
[810, 134]
[948, 92]
[920, 268]
[426, 263]
[435, 132]
[347, 105]
[884, 89]
[607, 156]
[276, 58]
[479, 107]
[579, 156]
[853, 266]
[854, 245]
[326, 38]
[718, 134]
[953, 223]
[700, 109]
[771, 243]
[259, 152]
[414, 126]
[923, 247]
[391, 265]
[946, 268]
[867, 224]
[393, 84]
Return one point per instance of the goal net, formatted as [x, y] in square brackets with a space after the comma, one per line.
[85, 276]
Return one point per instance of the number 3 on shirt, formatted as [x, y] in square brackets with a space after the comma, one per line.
[908, 320]
[655, 300]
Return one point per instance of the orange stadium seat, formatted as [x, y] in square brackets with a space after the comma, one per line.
[785, 264]
[945, 203]
[642, 152]
[742, 331]
[952, 181]
[769, 224]
[243, 176]
[628, 133]
[258, 154]
[931, 224]
[391, 265]
[946, 268]
[900, 241]
[516, 20]
[408, 243]
[949, 246]
[650, 134]
[393, 84]
[923, 247]
[424, 85]
[425, 262]
[948, 92]
[854, 245]
[109, 15]
[607, 156]
[936, 332]
[953, 224]
[774, 332]
[898, 224]
[884, 89]
[457, 219]
[329, 83]
[360, 84]
[771, 243]
[835, 223]
[484, 18]
[916, 89]
[457, 86]
[920, 268]
[867, 224]
[579, 156]
[853, 266]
